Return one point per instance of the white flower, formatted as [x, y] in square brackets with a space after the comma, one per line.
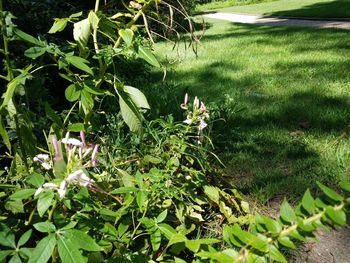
[63, 189]
[202, 125]
[72, 141]
[80, 178]
[50, 185]
[46, 165]
[188, 121]
[41, 157]
[38, 191]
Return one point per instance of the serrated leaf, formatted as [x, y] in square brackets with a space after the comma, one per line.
[79, 63]
[162, 216]
[34, 52]
[59, 25]
[337, 216]
[127, 35]
[43, 250]
[24, 238]
[212, 193]
[308, 202]
[137, 97]
[22, 194]
[287, 213]
[44, 202]
[147, 55]
[83, 240]
[68, 252]
[72, 92]
[330, 192]
[45, 227]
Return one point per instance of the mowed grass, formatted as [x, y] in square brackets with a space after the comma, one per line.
[284, 95]
[297, 8]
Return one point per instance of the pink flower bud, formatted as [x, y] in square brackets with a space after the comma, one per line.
[82, 137]
[93, 155]
[57, 149]
[203, 108]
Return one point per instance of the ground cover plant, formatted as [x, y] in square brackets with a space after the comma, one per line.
[295, 8]
[87, 178]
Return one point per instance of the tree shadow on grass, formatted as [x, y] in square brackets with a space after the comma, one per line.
[333, 9]
[265, 136]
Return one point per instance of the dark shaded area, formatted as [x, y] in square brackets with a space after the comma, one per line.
[263, 136]
[334, 9]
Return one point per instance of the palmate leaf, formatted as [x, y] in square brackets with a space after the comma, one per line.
[44, 202]
[82, 240]
[79, 63]
[7, 238]
[43, 251]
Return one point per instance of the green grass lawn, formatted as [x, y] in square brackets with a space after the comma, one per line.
[284, 93]
[297, 8]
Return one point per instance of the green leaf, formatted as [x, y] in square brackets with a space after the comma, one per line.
[127, 35]
[72, 92]
[148, 56]
[161, 217]
[308, 202]
[44, 202]
[177, 238]
[271, 225]
[24, 238]
[141, 199]
[34, 52]
[45, 227]
[87, 101]
[126, 178]
[15, 259]
[4, 254]
[59, 25]
[330, 192]
[4, 135]
[12, 85]
[130, 113]
[68, 252]
[167, 230]
[83, 240]
[345, 185]
[70, 225]
[79, 63]
[287, 213]
[124, 190]
[137, 97]
[76, 127]
[81, 32]
[22, 194]
[194, 245]
[44, 249]
[337, 216]
[212, 193]
[15, 206]
[156, 238]
[93, 20]
[26, 37]
[286, 242]
[35, 179]
[7, 238]
[276, 255]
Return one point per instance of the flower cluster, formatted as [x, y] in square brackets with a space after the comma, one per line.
[79, 156]
[198, 116]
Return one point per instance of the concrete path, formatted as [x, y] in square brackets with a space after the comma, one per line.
[275, 21]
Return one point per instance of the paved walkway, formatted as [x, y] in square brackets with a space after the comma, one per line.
[275, 21]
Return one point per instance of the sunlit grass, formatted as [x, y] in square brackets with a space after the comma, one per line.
[296, 8]
[284, 93]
